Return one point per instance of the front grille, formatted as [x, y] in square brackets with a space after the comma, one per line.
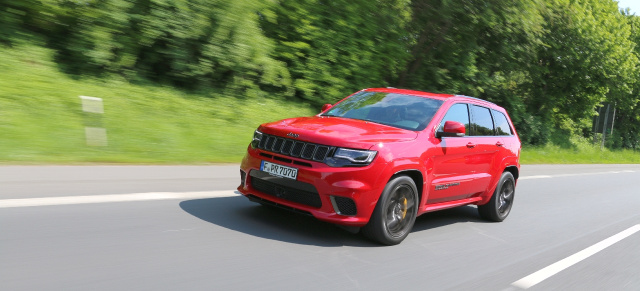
[344, 205]
[277, 146]
[294, 148]
[297, 149]
[287, 189]
[308, 151]
[286, 148]
[320, 153]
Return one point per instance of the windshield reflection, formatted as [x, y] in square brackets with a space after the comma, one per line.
[397, 110]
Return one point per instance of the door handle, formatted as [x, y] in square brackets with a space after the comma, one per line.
[471, 145]
[499, 144]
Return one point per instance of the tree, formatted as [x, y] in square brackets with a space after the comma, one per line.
[16, 16]
[478, 48]
[586, 58]
[333, 48]
[626, 133]
[189, 43]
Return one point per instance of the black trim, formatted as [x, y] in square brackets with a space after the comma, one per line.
[278, 205]
[243, 177]
[344, 205]
[285, 188]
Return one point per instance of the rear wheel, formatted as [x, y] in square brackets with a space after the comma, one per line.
[395, 213]
[498, 208]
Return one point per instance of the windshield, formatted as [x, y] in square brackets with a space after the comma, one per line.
[398, 110]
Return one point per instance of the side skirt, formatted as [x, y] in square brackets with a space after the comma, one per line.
[448, 204]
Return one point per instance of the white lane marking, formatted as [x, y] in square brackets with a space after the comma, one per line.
[69, 200]
[535, 177]
[553, 269]
[573, 175]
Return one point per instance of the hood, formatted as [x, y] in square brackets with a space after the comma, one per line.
[338, 131]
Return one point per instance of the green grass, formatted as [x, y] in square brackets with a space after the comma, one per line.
[582, 152]
[41, 120]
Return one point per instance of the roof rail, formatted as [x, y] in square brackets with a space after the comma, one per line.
[476, 99]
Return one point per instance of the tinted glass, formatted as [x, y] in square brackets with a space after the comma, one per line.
[502, 125]
[397, 110]
[481, 120]
[458, 112]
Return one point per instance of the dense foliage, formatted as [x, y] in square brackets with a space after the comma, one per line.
[551, 63]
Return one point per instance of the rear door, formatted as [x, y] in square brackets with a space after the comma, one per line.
[510, 148]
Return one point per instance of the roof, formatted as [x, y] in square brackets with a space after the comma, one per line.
[424, 94]
[464, 96]
[411, 92]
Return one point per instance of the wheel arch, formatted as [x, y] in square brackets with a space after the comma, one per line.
[514, 171]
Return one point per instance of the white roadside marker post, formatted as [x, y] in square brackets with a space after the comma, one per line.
[95, 133]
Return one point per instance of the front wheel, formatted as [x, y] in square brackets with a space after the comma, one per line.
[395, 212]
[498, 208]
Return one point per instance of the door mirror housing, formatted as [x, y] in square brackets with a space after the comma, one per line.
[452, 129]
[326, 107]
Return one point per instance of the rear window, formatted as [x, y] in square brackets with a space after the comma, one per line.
[502, 124]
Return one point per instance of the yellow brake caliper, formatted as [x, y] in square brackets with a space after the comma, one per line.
[404, 207]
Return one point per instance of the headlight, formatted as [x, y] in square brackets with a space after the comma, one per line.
[257, 137]
[350, 158]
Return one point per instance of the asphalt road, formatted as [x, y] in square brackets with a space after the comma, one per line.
[62, 229]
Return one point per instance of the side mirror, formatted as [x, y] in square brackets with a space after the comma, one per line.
[326, 107]
[451, 129]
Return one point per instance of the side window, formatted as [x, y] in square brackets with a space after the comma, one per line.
[482, 121]
[458, 112]
[502, 125]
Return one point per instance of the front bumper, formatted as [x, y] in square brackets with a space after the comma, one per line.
[319, 190]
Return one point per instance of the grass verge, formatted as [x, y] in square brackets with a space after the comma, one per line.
[584, 154]
[41, 120]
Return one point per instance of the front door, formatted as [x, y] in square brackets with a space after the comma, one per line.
[455, 163]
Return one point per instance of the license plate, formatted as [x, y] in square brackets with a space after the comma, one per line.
[279, 170]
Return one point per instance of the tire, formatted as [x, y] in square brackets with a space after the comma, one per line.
[395, 213]
[499, 207]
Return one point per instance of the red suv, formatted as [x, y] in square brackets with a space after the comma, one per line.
[381, 157]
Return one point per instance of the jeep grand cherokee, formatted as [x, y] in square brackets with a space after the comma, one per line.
[380, 157]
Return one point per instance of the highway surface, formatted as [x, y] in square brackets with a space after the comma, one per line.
[573, 227]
